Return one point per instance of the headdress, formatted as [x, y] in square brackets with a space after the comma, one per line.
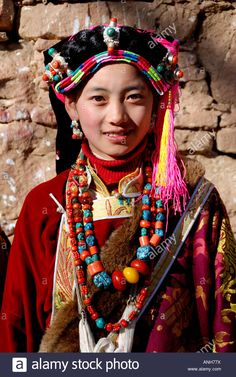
[159, 64]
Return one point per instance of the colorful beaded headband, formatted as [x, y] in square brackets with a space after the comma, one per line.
[65, 80]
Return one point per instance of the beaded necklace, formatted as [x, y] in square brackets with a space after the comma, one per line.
[79, 210]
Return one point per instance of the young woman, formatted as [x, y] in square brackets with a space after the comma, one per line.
[131, 248]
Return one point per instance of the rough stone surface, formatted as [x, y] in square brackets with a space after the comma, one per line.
[226, 140]
[6, 15]
[44, 44]
[27, 158]
[221, 170]
[195, 100]
[228, 119]
[174, 18]
[51, 21]
[198, 142]
[217, 52]
[205, 121]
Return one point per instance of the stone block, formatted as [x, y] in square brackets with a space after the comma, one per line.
[226, 140]
[195, 142]
[217, 53]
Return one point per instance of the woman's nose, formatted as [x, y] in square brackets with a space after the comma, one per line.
[117, 113]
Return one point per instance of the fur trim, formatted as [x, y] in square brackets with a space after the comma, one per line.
[117, 253]
[194, 171]
[63, 335]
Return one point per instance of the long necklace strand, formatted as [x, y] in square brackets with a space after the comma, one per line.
[79, 208]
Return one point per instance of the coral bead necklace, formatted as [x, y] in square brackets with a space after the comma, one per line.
[79, 209]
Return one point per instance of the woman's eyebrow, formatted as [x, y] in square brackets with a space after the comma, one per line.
[126, 89]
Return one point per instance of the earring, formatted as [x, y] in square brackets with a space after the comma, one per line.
[77, 132]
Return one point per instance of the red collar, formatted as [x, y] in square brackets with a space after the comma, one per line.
[111, 172]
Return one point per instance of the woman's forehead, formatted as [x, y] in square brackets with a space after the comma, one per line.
[119, 74]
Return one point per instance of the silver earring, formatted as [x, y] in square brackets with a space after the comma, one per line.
[77, 132]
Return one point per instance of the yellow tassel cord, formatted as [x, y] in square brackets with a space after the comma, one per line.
[163, 159]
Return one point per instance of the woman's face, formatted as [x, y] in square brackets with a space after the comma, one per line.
[114, 109]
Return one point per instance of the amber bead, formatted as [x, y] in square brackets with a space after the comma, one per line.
[131, 275]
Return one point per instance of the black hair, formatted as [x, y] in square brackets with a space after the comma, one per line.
[87, 43]
[76, 50]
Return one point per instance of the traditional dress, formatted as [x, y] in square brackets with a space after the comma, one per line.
[194, 306]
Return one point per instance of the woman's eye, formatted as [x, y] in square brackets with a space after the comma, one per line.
[135, 96]
[98, 98]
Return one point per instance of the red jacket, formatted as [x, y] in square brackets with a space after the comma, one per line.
[27, 301]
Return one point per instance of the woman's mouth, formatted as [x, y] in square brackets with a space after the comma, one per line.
[117, 137]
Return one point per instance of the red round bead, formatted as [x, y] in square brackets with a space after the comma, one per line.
[90, 309]
[84, 289]
[56, 64]
[77, 262]
[95, 316]
[88, 232]
[86, 206]
[116, 327]
[78, 219]
[118, 280]
[159, 210]
[145, 224]
[88, 219]
[140, 266]
[109, 327]
[124, 323]
[78, 230]
[81, 280]
[87, 301]
[45, 77]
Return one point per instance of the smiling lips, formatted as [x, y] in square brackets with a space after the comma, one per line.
[117, 137]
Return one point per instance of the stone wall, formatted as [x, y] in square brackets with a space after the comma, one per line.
[205, 123]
